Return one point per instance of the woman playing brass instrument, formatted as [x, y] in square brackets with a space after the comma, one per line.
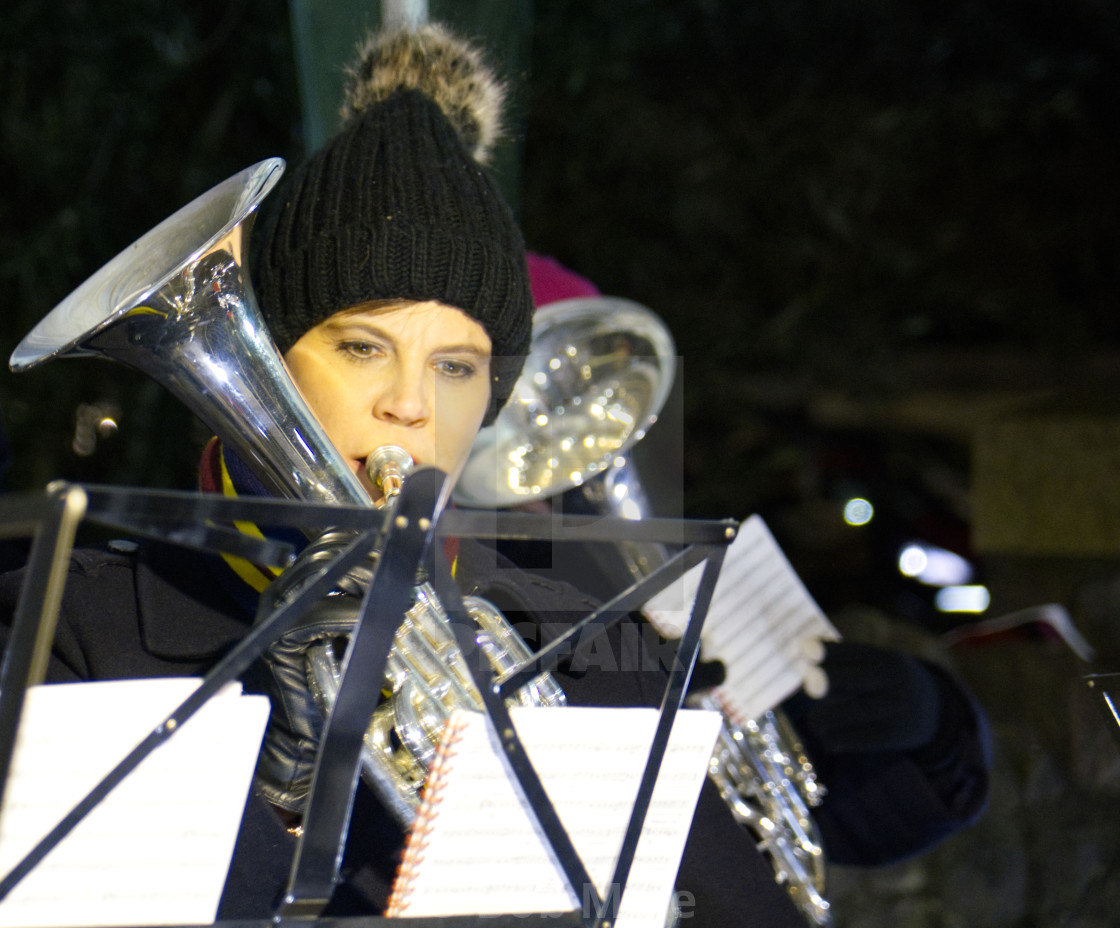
[392, 278]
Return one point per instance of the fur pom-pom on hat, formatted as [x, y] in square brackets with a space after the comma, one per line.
[398, 204]
[445, 68]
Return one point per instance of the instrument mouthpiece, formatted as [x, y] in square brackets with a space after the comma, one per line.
[387, 467]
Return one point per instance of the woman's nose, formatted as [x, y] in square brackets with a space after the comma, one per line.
[403, 401]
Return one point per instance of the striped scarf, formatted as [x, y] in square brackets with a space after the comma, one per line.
[222, 471]
[225, 473]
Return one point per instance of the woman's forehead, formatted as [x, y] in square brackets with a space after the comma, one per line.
[432, 317]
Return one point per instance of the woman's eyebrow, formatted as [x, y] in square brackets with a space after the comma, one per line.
[344, 324]
[464, 348]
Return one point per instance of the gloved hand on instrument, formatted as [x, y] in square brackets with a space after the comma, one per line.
[902, 748]
[877, 700]
[291, 740]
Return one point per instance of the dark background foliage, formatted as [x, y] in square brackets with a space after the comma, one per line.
[114, 115]
[851, 199]
[835, 197]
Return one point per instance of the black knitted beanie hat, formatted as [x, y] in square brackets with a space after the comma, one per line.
[400, 205]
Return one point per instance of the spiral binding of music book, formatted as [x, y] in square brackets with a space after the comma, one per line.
[421, 833]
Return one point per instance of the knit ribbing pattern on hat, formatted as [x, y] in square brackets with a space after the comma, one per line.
[395, 207]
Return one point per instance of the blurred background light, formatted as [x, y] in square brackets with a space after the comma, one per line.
[972, 598]
[858, 511]
[932, 565]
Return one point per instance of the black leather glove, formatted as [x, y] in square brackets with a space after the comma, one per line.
[877, 700]
[706, 675]
[291, 740]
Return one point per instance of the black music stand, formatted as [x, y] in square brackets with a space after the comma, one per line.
[50, 521]
[1105, 689]
[197, 521]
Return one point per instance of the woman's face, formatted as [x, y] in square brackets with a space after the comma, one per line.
[411, 374]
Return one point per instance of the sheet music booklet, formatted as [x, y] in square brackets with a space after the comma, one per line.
[476, 848]
[762, 624]
[157, 849]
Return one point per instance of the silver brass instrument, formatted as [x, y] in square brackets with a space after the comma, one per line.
[179, 306]
[600, 369]
[769, 784]
[426, 675]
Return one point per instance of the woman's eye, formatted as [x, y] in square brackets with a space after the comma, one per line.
[452, 368]
[357, 349]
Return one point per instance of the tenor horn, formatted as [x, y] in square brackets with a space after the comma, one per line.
[598, 374]
[179, 306]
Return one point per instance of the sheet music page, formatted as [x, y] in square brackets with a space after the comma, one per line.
[762, 623]
[157, 850]
[476, 849]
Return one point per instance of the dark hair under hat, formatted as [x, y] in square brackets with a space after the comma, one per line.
[398, 205]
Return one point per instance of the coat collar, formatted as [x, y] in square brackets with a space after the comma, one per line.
[185, 612]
